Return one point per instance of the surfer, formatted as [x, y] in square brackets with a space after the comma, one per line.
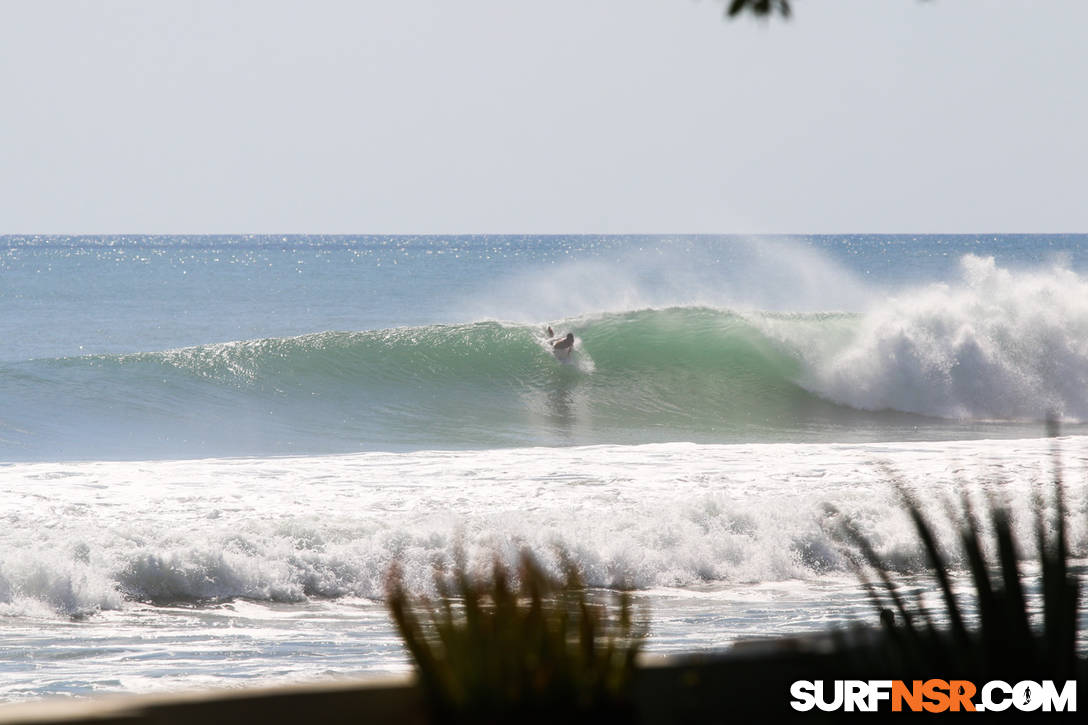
[563, 346]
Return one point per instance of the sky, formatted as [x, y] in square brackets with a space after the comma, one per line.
[555, 117]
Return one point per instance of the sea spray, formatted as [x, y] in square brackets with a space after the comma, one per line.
[777, 275]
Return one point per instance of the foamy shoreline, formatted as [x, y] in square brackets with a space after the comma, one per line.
[143, 576]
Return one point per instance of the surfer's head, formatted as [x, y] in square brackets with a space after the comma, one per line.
[570, 337]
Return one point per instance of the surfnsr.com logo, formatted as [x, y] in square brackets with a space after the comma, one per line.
[933, 696]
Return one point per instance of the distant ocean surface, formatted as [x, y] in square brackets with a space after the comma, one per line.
[212, 448]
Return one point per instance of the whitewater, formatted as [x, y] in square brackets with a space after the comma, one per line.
[213, 448]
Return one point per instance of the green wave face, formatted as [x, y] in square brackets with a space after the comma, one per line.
[644, 376]
[696, 368]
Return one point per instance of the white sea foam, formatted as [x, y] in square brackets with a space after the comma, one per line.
[277, 564]
[1000, 344]
[82, 537]
[43, 583]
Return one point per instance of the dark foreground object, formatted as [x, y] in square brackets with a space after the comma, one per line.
[749, 683]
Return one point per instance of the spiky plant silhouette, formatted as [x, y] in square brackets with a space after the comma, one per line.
[1002, 642]
[519, 645]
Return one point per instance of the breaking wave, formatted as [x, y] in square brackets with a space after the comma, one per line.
[998, 346]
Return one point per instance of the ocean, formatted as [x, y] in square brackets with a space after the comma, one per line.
[212, 448]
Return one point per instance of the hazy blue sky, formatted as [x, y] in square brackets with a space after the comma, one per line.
[563, 116]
